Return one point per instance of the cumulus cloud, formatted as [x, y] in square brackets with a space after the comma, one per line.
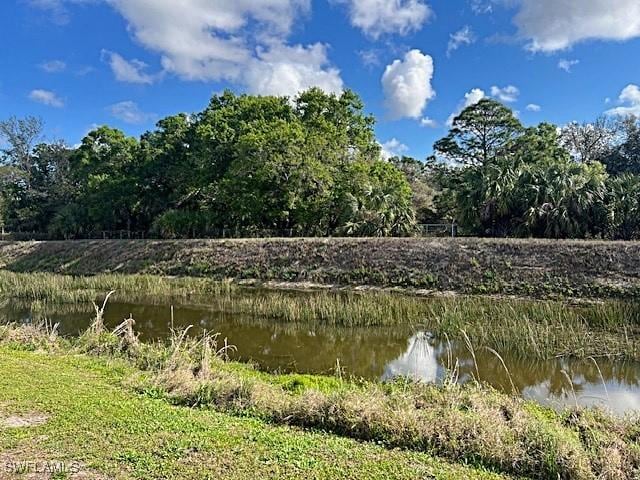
[533, 107]
[393, 148]
[129, 112]
[130, 71]
[243, 41]
[407, 85]
[46, 97]
[464, 36]
[470, 98]
[629, 102]
[567, 65]
[281, 70]
[53, 66]
[552, 25]
[240, 41]
[508, 94]
[380, 17]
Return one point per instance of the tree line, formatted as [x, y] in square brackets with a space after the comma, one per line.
[311, 166]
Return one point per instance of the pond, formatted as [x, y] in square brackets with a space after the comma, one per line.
[375, 353]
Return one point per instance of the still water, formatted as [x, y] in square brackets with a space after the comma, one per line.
[373, 353]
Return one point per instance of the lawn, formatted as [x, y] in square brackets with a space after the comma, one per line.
[75, 413]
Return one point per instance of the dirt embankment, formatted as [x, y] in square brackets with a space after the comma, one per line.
[470, 265]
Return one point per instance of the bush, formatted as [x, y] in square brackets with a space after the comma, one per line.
[180, 224]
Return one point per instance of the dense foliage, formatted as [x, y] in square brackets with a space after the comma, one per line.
[497, 178]
[251, 165]
[245, 165]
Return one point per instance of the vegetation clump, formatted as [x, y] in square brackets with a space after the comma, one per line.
[473, 424]
[535, 329]
[262, 166]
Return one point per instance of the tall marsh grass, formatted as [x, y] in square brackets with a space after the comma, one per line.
[538, 329]
[52, 288]
[472, 424]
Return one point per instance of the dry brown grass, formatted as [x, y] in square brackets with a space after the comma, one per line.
[472, 424]
[524, 267]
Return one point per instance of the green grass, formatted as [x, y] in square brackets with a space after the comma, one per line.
[51, 288]
[471, 425]
[536, 329]
[115, 433]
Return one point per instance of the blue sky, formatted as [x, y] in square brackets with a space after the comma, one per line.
[127, 63]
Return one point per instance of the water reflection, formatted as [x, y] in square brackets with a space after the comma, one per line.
[373, 353]
[557, 383]
[419, 361]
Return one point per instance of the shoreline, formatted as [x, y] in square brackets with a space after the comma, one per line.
[564, 269]
[472, 425]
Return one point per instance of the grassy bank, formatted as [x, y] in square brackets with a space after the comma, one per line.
[106, 400]
[540, 268]
[52, 288]
[93, 427]
[536, 329]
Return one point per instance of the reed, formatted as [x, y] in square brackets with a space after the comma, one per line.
[53, 288]
[537, 329]
[471, 425]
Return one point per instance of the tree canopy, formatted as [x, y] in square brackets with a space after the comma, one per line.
[245, 164]
[311, 165]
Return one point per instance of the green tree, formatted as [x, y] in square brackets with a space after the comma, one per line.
[423, 192]
[273, 184]
[167, 167]
[623, 207]
[373, 199]
[480, 134]
[105, 179]
[343, 130]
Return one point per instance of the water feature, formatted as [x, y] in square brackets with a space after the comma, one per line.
[370, 352]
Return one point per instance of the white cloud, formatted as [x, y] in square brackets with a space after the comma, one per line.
[53, 66]
[129, 112]
[567, 65]
[86, 70]
[464, 36]
[508, 94]
[56, 10]
[470, 98]
[282, 70]
[393, 148]
[407, 85]
[380, 17]
[630, 102]
[428, 123]
[241, 41]
[552, 25]
[46, 97]
[533, 107]
[480, 7]
[130, 71]
[238, 41]
[370, 58]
